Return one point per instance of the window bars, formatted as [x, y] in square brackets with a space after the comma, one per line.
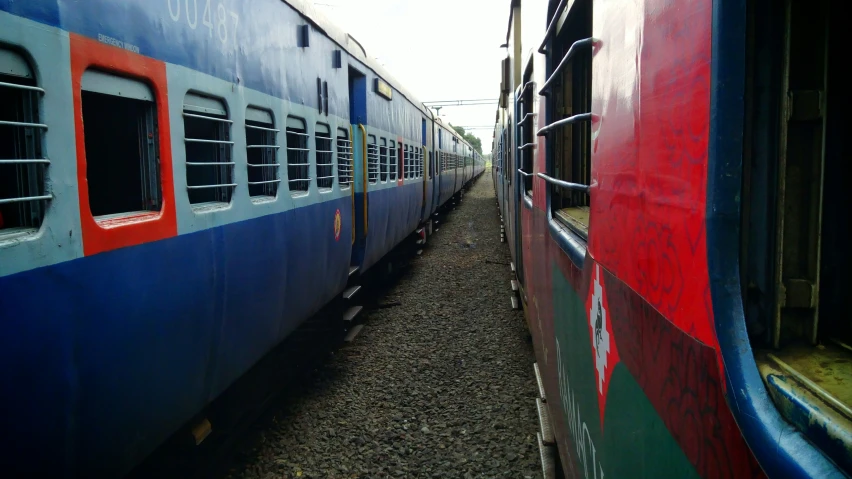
[372, 160]
[406, 163]
[262, 154]
[209, 150]
[383, 153]
[325, 159]
[23, 167]
[344, 158]
[393, 161]
[298, 161]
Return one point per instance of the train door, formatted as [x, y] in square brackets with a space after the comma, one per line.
[794, 248]
[358, 118]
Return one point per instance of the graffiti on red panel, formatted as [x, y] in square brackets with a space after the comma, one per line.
[649, 172]
[680, 377]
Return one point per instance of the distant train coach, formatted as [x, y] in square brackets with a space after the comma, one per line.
[182, 184]
[671, 178]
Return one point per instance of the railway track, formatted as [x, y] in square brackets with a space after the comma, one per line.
[437, 384]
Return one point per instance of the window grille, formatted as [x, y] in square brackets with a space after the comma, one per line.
[264, 175]
[383, 153]
[344, 158]
[209, 150]
[298, 160]
[406, 162]
[23, 165]
[568, 88]
[325, 160]
[372, 160]
[420, 162]
[393, 161]
[526, 152]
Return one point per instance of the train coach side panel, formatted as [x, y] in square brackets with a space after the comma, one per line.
[623, 331]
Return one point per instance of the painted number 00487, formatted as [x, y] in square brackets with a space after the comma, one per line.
[217, 21]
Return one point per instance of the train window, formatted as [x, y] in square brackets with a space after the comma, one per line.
[372, 160]
[122, 151]
[23, 166]
[420, 162]
[344, 158]
[262, 154]
[209, 150]
[325, 162]
[392, 161]
[794, 255]
[383, 153]
[568, 132]
[298, 160]
[406, 162]
[526, 123]
[414, 160]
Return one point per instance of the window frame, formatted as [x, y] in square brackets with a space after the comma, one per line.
[324, 170]
[205, 111]
[298, 143]
[568, 181]
[34, 201]
[107, 235]
[343, 152]
[372, 160]
[269, 182]
[393, 173]
[383, 160]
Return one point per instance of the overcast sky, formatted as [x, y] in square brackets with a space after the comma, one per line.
[438, 49]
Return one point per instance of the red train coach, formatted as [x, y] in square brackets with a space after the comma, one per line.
[669, 175]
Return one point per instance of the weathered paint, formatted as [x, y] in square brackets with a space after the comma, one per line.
[117, 333]
[657, 400]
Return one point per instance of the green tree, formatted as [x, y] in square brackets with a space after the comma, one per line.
[475, 142]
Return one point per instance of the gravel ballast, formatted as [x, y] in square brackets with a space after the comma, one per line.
[441, 385]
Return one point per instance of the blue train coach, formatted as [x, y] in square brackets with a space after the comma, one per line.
[182, 183]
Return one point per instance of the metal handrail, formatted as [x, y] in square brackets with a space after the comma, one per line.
[526, 146]
[565, 121]
[586, 42]
[524, 172]
[564, 184]
[552, 27]
[525, 118]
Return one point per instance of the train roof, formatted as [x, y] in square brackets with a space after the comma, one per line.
[355, 49]
[352, 46]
